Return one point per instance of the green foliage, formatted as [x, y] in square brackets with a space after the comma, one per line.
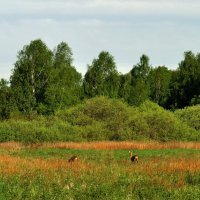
[6, 100]
[107, 118]
[190, 115]
[36, 131]
[139, 82]
[102, 77]
[159, 79]
[64, 88]
[164, 125]
[100, 118]
[195, 100]
[43, 80]
[125, 86]
[119, 121]
[185, 89]
[142, 69]
[30, 76]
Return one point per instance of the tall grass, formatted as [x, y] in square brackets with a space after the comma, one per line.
[105, 145]
[123, 145]
[13, 165]
[106, 177]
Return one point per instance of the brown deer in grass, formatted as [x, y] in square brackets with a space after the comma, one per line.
[73, 159]
[133, 158]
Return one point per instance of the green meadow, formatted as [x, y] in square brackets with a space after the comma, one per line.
[45, 173]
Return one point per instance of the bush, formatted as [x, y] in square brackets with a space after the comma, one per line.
[100, 118]
[164, 125]
[190, 115]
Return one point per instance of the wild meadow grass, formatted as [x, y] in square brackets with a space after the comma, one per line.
[43, 172]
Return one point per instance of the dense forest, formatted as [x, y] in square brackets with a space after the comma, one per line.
[50, 97]
[44, 81]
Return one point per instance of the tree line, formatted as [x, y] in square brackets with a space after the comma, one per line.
[44, 81]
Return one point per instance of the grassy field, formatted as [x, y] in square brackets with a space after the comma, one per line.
[103, 171]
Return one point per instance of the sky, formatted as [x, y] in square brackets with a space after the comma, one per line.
[161, 29]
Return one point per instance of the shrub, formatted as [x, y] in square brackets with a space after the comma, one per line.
[100, 118]
[164, 125]
[190, 115]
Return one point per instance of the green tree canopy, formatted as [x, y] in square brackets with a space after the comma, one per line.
[6, 100]
[185, 84]
[65, 85]
[159, 79]
[31, 73]
[139, 81]
[125, 86]
[102, 77]
[189, 78]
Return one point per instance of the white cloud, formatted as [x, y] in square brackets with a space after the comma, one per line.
[98, 7]
[127, 28]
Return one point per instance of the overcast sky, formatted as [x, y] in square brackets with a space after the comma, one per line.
[126, 28]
